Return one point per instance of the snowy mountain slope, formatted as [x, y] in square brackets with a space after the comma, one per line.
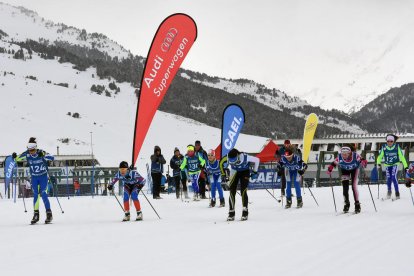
[72, 42]
[38, 108]
[21, 24]
[277, 100]
[344, 63]
[392, 111]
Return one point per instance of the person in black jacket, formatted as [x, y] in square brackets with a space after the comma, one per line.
[178, 175]
[157, 168]
[203, 178]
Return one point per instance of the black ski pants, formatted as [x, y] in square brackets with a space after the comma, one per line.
[241, 177]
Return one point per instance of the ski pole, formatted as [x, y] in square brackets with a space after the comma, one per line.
[311, 193]
[411, 196]
[372, 197]
[333, 194]
[151, 205]
[278, 200]
[24, 202]
[67, 180]
[118, 202]
[378, 189]
[59, 204]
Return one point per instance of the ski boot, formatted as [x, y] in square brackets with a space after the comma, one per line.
[139, 216]
[222, 202]
[195, 197]
[357, 207]
[397, 195]
[49, 216]
[346, 206]
[300, 203]
[212, 203]
[288, 203]
[231, 215]
[388, 194]
[35, 217]
[127, 217]
[245, 214]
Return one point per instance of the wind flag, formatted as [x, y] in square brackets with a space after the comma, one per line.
[170, 45]
[232, 124]
[309, 132]
[9, 165]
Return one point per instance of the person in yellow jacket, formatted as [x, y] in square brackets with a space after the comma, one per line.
[192, 164]
[393, 156]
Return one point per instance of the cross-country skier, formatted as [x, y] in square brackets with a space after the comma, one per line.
[393, 156]
[349, 163]
[213, 170]
[37, 160]
[133, 183]
[193, 164]
[180, 177]
[240, 173]
[408, 175]
[293, 167]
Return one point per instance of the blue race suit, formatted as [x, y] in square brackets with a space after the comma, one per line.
[133, 183]
[213, 170]
[292, 177]
[38, 171]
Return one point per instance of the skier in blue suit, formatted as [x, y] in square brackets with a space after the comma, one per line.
[213, 170]
[37, 161]
[293, 167]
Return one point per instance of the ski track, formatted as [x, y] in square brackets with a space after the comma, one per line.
[192, 237]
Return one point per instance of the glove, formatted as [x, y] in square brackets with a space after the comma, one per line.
[40, 153]
[110, 187]
[224, 178]
[139, 187]
[14, 155]
[303, 170]
[330, 169]
[253, 175]
[131, 167]
[379, 166]
[408, 182]
[364, 163]
[278, 167]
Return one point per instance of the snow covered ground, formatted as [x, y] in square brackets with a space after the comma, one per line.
[191, 239]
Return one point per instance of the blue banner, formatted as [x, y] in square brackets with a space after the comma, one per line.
[266, 179]
[232, 123]
[9, 165]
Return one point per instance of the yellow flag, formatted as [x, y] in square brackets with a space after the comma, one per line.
[309, 132]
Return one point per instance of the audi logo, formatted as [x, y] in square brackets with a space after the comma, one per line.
[169, 39]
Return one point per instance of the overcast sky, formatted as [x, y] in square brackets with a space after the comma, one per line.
[269, 41]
